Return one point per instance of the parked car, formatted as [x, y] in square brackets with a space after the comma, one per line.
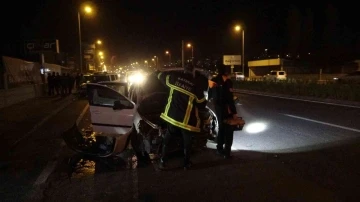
[276, 75]
[109, 79]
[239, 76]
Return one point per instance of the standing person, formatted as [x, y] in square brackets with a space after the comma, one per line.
[224, 103]
[185, 100]
[63, 84]
[57, 80]
[77, 81]
[69, 83]
[50, 81]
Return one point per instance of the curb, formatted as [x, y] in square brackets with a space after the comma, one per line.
[43, 121]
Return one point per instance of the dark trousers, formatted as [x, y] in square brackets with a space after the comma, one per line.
[226, 133]
[51, 89]
[187, 138]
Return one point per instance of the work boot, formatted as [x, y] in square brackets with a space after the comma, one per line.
[162, 165]
[187, 164]
[220, 152]
[227, 154]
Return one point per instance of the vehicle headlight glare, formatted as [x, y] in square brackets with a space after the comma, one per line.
[131, 79]
[139, 78]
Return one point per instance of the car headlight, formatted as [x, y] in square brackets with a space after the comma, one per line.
[139, 78]
[131, 79]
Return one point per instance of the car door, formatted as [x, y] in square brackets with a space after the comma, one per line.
[111, 112]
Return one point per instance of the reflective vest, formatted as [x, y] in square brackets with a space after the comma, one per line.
[186, 98]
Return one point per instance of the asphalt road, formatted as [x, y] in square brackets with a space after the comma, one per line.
[281, 125]
[29, 162]
[288, 151]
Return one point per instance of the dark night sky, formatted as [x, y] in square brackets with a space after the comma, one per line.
[136, 28]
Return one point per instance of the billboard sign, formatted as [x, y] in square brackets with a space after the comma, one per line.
[38, 46]
[232, 60]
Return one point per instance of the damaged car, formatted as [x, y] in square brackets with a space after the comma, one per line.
[118, 119]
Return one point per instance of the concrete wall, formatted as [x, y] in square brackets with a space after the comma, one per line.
[20, 80]
[15, 95]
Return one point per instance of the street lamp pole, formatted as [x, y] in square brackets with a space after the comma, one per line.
[80, 49]
[238, 28]
[182, 54]
[192, 54]
[157, 61]
[243, 52]
[168, 53]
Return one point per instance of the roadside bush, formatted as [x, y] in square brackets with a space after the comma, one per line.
[337, 91]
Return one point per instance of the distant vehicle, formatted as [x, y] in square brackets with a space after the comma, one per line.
[276, 75]
[353, 77]
[111, 80]
[103, 76]
[239, 76]
[100, 76]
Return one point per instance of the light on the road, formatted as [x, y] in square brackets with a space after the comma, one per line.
[255, 127]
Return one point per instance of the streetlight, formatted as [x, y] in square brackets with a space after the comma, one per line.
[87, 10]
[97, 43]
[192, 52]
[238, 28]
[168, 53]
[101, 53]
[157, 61]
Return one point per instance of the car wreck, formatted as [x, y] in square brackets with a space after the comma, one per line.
[119, 119]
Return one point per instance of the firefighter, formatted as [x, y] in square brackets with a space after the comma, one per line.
[186, 98]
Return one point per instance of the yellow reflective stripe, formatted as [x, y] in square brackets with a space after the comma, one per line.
[169, 101]
[201, 100]
[188, 110]
[179, 124]
[158, 76]
[178, 88]
[183, 91]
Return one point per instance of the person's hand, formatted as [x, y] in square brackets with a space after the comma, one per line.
[212, 84]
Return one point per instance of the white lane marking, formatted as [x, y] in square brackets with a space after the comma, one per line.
[298, 99]
[49, 168]
[324, 123]
[82, 114]
[52, 164]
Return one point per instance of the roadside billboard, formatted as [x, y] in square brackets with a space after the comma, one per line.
[232, 60]
[38, 46]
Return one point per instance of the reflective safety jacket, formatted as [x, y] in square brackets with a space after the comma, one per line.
[186, 98]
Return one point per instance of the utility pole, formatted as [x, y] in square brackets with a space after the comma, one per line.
[182, 54]
[80, 51]
[243, 53]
